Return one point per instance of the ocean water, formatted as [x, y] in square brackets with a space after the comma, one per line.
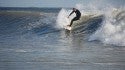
[34, 39]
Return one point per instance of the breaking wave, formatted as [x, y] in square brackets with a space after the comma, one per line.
[106, 25]
[112, 30]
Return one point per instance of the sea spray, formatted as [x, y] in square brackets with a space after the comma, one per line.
[62, 18]
[113, 29]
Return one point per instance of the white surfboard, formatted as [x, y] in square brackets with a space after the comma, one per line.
[67, 27]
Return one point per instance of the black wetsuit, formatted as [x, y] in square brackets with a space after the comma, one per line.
[78, 15]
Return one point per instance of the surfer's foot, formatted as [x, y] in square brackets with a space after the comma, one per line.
[69, 25]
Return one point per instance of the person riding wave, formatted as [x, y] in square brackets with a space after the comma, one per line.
[78, 15]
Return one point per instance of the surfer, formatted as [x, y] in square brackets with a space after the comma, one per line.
[78, 15]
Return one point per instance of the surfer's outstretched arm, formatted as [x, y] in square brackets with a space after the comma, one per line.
[71, 13]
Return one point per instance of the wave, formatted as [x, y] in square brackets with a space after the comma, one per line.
[89, 22]
[18, 23]
[113, 29]
[106, 25]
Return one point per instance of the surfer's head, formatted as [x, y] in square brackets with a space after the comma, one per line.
[74, 9]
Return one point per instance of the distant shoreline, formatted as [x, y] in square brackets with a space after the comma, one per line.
[35, 9]
[20, 13]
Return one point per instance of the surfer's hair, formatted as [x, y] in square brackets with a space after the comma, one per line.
[74, 8]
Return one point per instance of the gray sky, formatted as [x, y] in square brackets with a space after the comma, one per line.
[54, 3]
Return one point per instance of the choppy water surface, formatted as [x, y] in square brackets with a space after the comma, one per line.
[32, 41]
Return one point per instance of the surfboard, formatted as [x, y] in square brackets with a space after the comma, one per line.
[67, 27]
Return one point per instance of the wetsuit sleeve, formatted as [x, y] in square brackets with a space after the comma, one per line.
[71, 13]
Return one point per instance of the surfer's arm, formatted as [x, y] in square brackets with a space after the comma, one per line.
[71, 13]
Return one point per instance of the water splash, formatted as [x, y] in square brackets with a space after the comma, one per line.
[113, 29]
[62, 19]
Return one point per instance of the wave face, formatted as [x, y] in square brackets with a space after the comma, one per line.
[22, 22]
[88, 22]
[107, 27]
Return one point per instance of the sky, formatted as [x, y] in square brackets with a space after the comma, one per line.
[55, 3]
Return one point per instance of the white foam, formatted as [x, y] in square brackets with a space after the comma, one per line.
[62, 18]
[113, 29]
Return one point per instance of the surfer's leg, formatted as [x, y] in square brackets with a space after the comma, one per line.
[74, 19]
